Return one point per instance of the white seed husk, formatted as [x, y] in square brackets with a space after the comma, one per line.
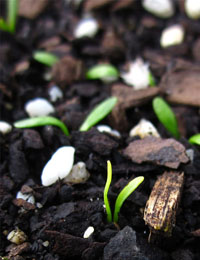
[39, 107]
[143, 129]
[173, 35]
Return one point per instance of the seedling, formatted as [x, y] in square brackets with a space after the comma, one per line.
[41, 121]
[45, 58]
[195, 139]
[123, 195]
[102, 71]
[98, 113]
[152, 82]
[166, 116]
[9, 24]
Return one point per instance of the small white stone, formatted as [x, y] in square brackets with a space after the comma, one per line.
[192, 8]
[172, 35]
[39, 205]
[17, 236]
[27, 197]
[160, 8]
[88, 232]
[144, 128]
[55, 93]
[108, 129]
[59, 166]
[45, 243]
[190, 154]
[5, 128]
[39, 107]
[138, 75]
[78, 174]
[87, 27]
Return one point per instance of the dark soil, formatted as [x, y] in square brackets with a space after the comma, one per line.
[65, 211]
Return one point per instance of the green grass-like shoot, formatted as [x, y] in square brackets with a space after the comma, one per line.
[152, 82]
[102, 71]
[195, 139]
[41, 121]
[98, 113]
[10, 24]
[108, 182]
[45, 58]
[166, 116]
[123, 195]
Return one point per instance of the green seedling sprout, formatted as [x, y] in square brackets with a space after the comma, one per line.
[42, 121]
[166, 116]
[98, 113]
[9, 24]
[195, 139]
[123, 195]
[45, 58]
[102, 71]
[152, 82]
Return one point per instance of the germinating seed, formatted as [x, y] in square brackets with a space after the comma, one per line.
[27, 197]
[160, 8]
[143, 129]
[88, 232]
[17, 236]
[87, 27]
[192, 8]
[172, 35]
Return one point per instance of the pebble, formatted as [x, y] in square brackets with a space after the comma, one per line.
[87, 27]
[172, 35]
[17, 236]
[138, 75]
[160, 8]
[192, 9]
[39, 107]
[27, 197]
[55, 93]
[143, 129]
[78, 174]
[109, 130]
[59, 166]
[190, 154]
[5, 128]
[88, 232]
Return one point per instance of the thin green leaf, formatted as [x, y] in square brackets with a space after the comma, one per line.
[102, 71]
[127, 190]
[12, 14]
[166, 116]
[107, 186]
[45, 58]
[41, 121]
[195, 139]
[3, 25]
[98, 113]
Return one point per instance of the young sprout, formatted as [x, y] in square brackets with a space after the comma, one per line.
[166, 116]
[10, 23]
[98, 113]
[195, 139]
[42, 121]
[123, 195]
[105, 72]
[45, 58]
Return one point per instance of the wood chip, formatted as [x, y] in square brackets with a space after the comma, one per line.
[167, 152]
[182, 86]
[19, 249]
[127, 98]
[31, 8]
[162, 205]
[22, 203]
[90, 5]
[196, 233]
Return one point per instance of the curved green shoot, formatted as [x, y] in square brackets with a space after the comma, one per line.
[195, 139]
[107, 186]
[102, 71]
[127, 190]
[152, 82]
[45, 58]
[41, 121]
[10, 23]
[166, 116]
[98, 113]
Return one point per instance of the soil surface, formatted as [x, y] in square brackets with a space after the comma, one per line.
[55, 224]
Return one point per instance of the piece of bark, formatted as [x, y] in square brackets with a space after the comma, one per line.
[196, 233]
[122, 4]
[182, 86]
[127, 98]
[166, 152]
[67, 70]
[90, 5]
[19, 249]
[162, 205]
[23, 203]
[31, 8]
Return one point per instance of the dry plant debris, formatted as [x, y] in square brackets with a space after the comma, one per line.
[162, 205]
